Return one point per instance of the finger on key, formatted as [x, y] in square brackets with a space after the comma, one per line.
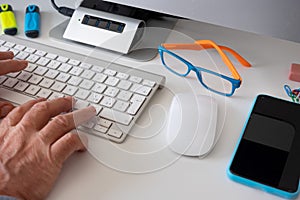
[7, 66]
[5, 108]
[62, 124]
[6, 55]
[41, 113]
[16, 115]
[65, 146]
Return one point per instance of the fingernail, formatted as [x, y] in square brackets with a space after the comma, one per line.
[5, 110]
[84, 115]
[12, 53]
[24, 63]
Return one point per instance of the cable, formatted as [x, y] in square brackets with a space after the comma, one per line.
[63, 10]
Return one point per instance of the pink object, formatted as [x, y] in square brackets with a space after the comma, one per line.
[295, 72]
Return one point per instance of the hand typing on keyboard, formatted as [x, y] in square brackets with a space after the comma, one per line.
[8, 65]
[35, 140]
[118, 93]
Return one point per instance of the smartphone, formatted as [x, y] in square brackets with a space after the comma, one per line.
[267, 155]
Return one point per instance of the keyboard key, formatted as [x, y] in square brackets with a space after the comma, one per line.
[9, 44]
[88, 74]
[35, 79]
[30, 67]
[110, 72]
[100, 78]
[134, 107]
[124, 95]
[65, 67]
[135, 79]
[44, 93]
[122, 75]
[58, 87]
[70, 90]
[10, 82]
[2, 48]
[85, 65]
[82, 94]
[46, 83]
[76, 71]
[74, 80]
[51, 74]
[14, 97]
[116, 116]
[108, 102]
[62, 59]
[63, 77]
[51, 56]
[125, 85]
[43, 61]
[74, 62]
[53, 64]
[13, 74]
[2, 79]
[99, 88]
[137, 98]
[86, 84]
[29, 50]
[140, 89]
[40, 70]
[115, 133]
[104, 122]
[22, 55]
[32, 58]
[148, 83]
[56, 95]
[101, 129]
[21, 86]
[97, 68]
[112, 81]
[121, 106]
[95, 97]
[97, 107]
[88, 124]
[79, 104]
[24, 76]
[40, 53]
[15, 51]
[111, 91]
[19, 47]
[32, 89]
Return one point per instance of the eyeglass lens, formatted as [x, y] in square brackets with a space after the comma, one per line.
[210, 80]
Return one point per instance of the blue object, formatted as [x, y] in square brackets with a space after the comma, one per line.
[254, 184]
[234, 83]
[32, 21]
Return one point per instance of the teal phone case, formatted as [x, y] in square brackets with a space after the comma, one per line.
[254, 184]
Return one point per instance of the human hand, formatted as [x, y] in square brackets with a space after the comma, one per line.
[8, 65]
[35, 140]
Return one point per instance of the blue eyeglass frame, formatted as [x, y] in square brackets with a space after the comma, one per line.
[235, 82]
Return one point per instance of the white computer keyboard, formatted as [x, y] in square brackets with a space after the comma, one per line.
[118, 93]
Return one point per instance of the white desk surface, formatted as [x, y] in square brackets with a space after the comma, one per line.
[84, 177]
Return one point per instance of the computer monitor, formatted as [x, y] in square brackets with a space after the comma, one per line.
[277, 18]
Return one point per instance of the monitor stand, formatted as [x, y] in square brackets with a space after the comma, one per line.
[157, 31]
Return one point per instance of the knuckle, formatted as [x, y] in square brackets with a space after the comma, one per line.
[41, 107]
[72, 139]
[61, 121]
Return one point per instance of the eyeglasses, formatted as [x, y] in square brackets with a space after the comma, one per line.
[211, 80]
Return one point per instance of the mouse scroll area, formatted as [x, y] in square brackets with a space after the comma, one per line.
[192, 122]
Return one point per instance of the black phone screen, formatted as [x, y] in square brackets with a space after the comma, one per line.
[268, 152]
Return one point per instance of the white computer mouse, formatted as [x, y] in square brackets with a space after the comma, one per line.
[191, 125]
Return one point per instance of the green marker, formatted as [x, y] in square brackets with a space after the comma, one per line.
[8, 20]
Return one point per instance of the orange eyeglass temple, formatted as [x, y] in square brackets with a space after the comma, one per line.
[208, 44]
